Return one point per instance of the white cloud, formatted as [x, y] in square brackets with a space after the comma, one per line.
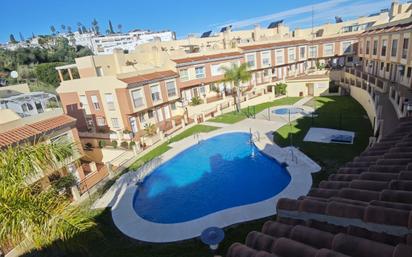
[347, 11]
[284, 14]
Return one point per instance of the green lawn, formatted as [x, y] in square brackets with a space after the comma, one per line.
[233, 117]
[338, 112]
[165, 146]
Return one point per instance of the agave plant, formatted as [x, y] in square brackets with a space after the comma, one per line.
[29, 214]
[150, 129]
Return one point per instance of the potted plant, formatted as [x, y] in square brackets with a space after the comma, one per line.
[127, 134]
[196, 101]
[102, 143]
[114, 144]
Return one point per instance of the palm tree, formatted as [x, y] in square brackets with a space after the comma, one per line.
[236, 75]
[27, 213]
[119, 28]
[53, 29]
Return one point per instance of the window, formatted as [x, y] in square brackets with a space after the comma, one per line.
[408, 73]
[375, 47]
[302, 53]
[173, 106]
[137, 98]
[265, 59]
[216, 70]
[171, 88]
[115, 123]
[347, 47]
[99, 71]
[405, 47]
[313, 51]
[184, 75]
[202, 90]
[387, 67]
[384, 46]
[200, 72]
[100, 121]
[83, 102]
[291, 55]
[360, 48]
[142, 118]
[155, 90]
[279, 56]
[327, 49]
[367, 46]
[95, 102]
[250, 60]
[394, 48]
[110, 101]
[150, 114]
[382, 65]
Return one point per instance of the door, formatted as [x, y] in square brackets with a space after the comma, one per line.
[311, 89]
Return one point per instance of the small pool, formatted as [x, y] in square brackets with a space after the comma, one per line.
[286, 110]
[219, 173]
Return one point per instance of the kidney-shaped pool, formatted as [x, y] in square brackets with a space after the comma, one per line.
[218, 173]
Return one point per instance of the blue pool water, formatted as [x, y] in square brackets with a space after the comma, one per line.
[214, 175]
[284, 111]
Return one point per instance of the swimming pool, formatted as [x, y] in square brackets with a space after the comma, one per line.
[285, 111]
[219, 173]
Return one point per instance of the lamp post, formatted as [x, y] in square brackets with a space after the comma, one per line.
[212, 236]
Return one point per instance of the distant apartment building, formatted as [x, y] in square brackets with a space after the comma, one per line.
[123, 93]
[128, 41]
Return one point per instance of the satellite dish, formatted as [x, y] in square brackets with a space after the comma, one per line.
[14, 74]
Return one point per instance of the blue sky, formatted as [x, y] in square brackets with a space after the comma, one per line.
[183, 16]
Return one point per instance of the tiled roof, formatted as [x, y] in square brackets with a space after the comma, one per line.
[159, 75]
[31, 130]
[365, 209]
[391, 28]
[210, 57]
[275, 44]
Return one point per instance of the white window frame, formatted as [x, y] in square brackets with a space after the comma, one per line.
[84, 104]
[253, 56]
[110, 101]
[300, 52]
[268, 63]
[291, 53]
[325, 53]
[115, 122]
[200, 75]
[280, 53]
[140, 91]
[184, 74]
[349, 43]
[216, 69]
[99, 123]
[157, 86]
[95, 102]
[311, 49]
[167, 88]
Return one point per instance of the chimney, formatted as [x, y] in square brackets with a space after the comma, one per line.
[394, 9]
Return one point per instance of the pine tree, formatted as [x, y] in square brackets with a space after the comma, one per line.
[111, 27]
[12, 39]
[21, 36]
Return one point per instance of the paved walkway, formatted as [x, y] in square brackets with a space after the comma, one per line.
[120, 195]
[388, 114]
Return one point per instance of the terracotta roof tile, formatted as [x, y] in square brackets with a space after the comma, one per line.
[159, 75]
[31, 130]
[210, 57]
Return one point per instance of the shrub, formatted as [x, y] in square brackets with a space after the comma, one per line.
[196, 101]
[65, 183]
[126, 131]
[280, 89]
[102, 143]
[114, 144]
[124, 144]
[131, 144]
